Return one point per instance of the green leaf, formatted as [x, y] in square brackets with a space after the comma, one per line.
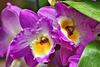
[89, 8]
[91, 55]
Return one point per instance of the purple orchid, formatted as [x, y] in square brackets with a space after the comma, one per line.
[10, 26]
[75, 29]
[35, 42]
[9, 29]
[64, 25]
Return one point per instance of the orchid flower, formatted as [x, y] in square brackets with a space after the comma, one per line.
[10, 26]
[9, 29]
[35, 42]
[81, 27]
[75, 29]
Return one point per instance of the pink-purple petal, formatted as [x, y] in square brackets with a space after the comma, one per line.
[19, 54]
[29, 59]
[55, 60]
[65, 54]
[5, 40]
[47, 11]
[45, 25]
[10, 20]
[86, 36]
[13, 7]
[92, 23]
[73, 65]
[74, 61]
[20, 45]
[61, 9]
[65, 40]
[28, 19]
[9, 59]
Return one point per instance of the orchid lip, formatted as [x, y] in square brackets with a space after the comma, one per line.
[69, 30]
[42, 46]
[43, 40]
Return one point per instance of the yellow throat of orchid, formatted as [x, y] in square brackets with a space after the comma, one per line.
[42, 46]
[68, 28]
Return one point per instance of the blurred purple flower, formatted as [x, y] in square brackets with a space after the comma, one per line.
[9, 29]
[10, 26]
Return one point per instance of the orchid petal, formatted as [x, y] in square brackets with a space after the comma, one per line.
[9, 59]
[64, 55]
[13, 7]
[10, 62]
[92, 23]
[74, 61]
[61, 40]
[20, 54]
[10, 20]
[20, 44]
[45, 25]
[73, 65]
[61, 9]
[55, 60]
[86, 36]
[28, 18]
[30, 60]
[65, 42]
[47, 11]
[5, 40]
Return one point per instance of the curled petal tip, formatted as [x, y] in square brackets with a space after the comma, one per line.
[9, 4]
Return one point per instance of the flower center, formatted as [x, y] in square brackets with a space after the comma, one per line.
[69, 30]
[42, 45]
[43, 40]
